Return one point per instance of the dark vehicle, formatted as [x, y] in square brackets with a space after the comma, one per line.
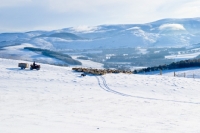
[35, 66]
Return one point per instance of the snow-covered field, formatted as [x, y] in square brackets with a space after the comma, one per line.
[193, 72]
[183, 56]
[88, 63]
[57, 100]
[18, 52]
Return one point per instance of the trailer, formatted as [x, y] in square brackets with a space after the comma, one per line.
[23, 65]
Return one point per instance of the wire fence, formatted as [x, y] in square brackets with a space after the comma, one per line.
[186, 75]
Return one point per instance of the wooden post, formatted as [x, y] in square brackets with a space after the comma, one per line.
[174, 74]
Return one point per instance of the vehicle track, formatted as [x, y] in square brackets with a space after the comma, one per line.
[102, 83]
[102, 86]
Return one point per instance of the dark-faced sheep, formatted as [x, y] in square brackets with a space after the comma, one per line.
[82, 75]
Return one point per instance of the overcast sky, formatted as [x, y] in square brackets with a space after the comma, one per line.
[26, 15]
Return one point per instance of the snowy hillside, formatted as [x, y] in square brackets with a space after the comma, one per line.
[56, 99]
[18, 52]
[162, 33]
[131, 45]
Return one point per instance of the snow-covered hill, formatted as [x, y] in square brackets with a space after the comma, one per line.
[56, 99]
[162, 33]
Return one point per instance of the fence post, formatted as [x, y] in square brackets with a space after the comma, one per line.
[174, 74]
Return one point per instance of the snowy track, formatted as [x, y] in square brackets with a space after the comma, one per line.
[102, 83]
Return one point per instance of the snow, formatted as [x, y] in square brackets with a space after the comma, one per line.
[58, 100]
[18, 52]
[193, 72]
[85, 29]
[183, 56]
[88, 63]
[162, 33]
[172, 27]
[142, 50]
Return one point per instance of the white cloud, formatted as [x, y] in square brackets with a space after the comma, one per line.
[81, 5]
[67, 13]
[128, 11]
[10, 3]
[171, 27]
[179, 9]
[190, 9]
[113, 8]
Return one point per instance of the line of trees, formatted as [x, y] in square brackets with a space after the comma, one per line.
[60, 56]
[173, 65]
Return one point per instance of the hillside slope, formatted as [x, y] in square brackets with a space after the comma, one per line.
[56, 99]
[161, 33]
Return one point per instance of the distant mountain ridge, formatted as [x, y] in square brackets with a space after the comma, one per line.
[63, 35]
[161, 33]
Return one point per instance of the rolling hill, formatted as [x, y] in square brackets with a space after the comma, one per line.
[161, 33]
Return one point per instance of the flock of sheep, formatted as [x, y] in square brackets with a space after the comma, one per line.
[100, 71]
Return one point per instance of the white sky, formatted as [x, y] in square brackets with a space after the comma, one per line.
[25, 15]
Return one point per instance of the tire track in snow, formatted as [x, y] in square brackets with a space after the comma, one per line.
[108, 88]
[102, 83]
[105, 87]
